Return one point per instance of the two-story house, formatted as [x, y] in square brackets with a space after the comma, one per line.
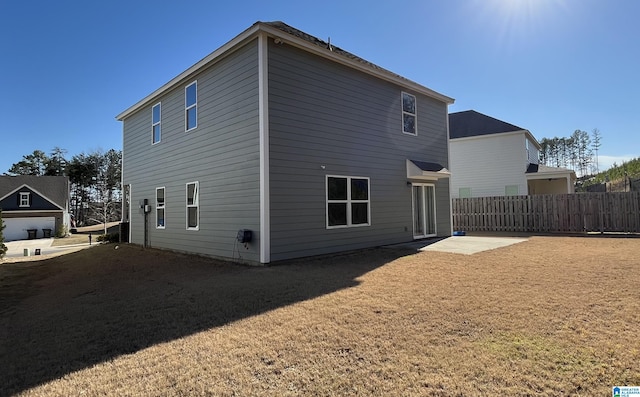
[280, 145]
[34, 206]
[490, 157]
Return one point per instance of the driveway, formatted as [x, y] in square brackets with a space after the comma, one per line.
[16, 249]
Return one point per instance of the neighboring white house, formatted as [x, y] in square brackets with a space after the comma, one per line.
[489, 157]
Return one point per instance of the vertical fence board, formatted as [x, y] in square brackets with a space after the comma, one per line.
[573, 213]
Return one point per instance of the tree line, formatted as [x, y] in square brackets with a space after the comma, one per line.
[578, 152]
[94, 177]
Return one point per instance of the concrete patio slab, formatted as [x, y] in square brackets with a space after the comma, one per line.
[469, 245]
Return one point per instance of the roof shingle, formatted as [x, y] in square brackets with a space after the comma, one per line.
[471, 123]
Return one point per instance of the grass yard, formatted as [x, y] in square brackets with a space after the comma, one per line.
[551, 316]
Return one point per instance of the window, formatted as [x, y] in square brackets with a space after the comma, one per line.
[192, 206]
[409, 114]
[191, 106]
[25, 199]
[511, 190]
[155, 123]
[347, 201]
[464, 192]
[159, 208]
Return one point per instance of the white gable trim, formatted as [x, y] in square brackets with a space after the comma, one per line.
[35, 191]
[256, 30]
[500, 134]
[284, 37]
[215, 56]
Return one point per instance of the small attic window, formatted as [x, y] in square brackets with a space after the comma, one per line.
[25, 199]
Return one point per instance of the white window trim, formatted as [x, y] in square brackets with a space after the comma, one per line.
[162, 206]
[188, 107]
[196, 204]
[460, 195]
[348, 201]
[24, 196]
[415, 115]
[506, 190]
[158, 123]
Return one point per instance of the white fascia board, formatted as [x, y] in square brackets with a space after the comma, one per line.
[17, 212]
[206, 61]
[338, 58]
[272, 32]
[494, 136]
[550, 175]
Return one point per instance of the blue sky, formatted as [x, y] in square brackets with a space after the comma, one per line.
[67, 68]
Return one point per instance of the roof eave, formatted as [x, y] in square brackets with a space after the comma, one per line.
[326, 53]
[273, 32]
[227, 47]
[551, 175]
[533, 139]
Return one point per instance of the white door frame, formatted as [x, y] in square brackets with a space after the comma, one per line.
[424, 219]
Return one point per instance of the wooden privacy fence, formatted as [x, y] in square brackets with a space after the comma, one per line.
[568, 213]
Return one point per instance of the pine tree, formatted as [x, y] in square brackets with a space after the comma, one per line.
[595, 144]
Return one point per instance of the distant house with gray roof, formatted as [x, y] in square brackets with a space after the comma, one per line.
[490, 157]
[34, 206]
[280, 145]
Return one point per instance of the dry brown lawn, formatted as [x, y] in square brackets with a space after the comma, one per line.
[551, 316]
[72, 239]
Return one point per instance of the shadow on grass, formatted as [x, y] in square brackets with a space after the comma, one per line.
[72, 312]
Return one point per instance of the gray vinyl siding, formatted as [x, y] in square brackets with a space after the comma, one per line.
[327, 119]
[222, 154]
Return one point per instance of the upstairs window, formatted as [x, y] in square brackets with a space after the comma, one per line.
[155, 123]
[409, 118]
[347, 201]
[192, 206]
[160, 208]
[24, 200]
[191, 106]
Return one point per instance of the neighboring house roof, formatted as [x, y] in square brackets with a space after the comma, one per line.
[541, 171]
[469, 123]
[284, 33]
[54, 188]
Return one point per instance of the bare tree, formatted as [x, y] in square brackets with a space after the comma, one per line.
[105, 187]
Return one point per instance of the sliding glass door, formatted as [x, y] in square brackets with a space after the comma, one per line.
[424, 210]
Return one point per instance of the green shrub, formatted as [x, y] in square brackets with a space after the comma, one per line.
[109, 238]
[62, 231]
[3, 248]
